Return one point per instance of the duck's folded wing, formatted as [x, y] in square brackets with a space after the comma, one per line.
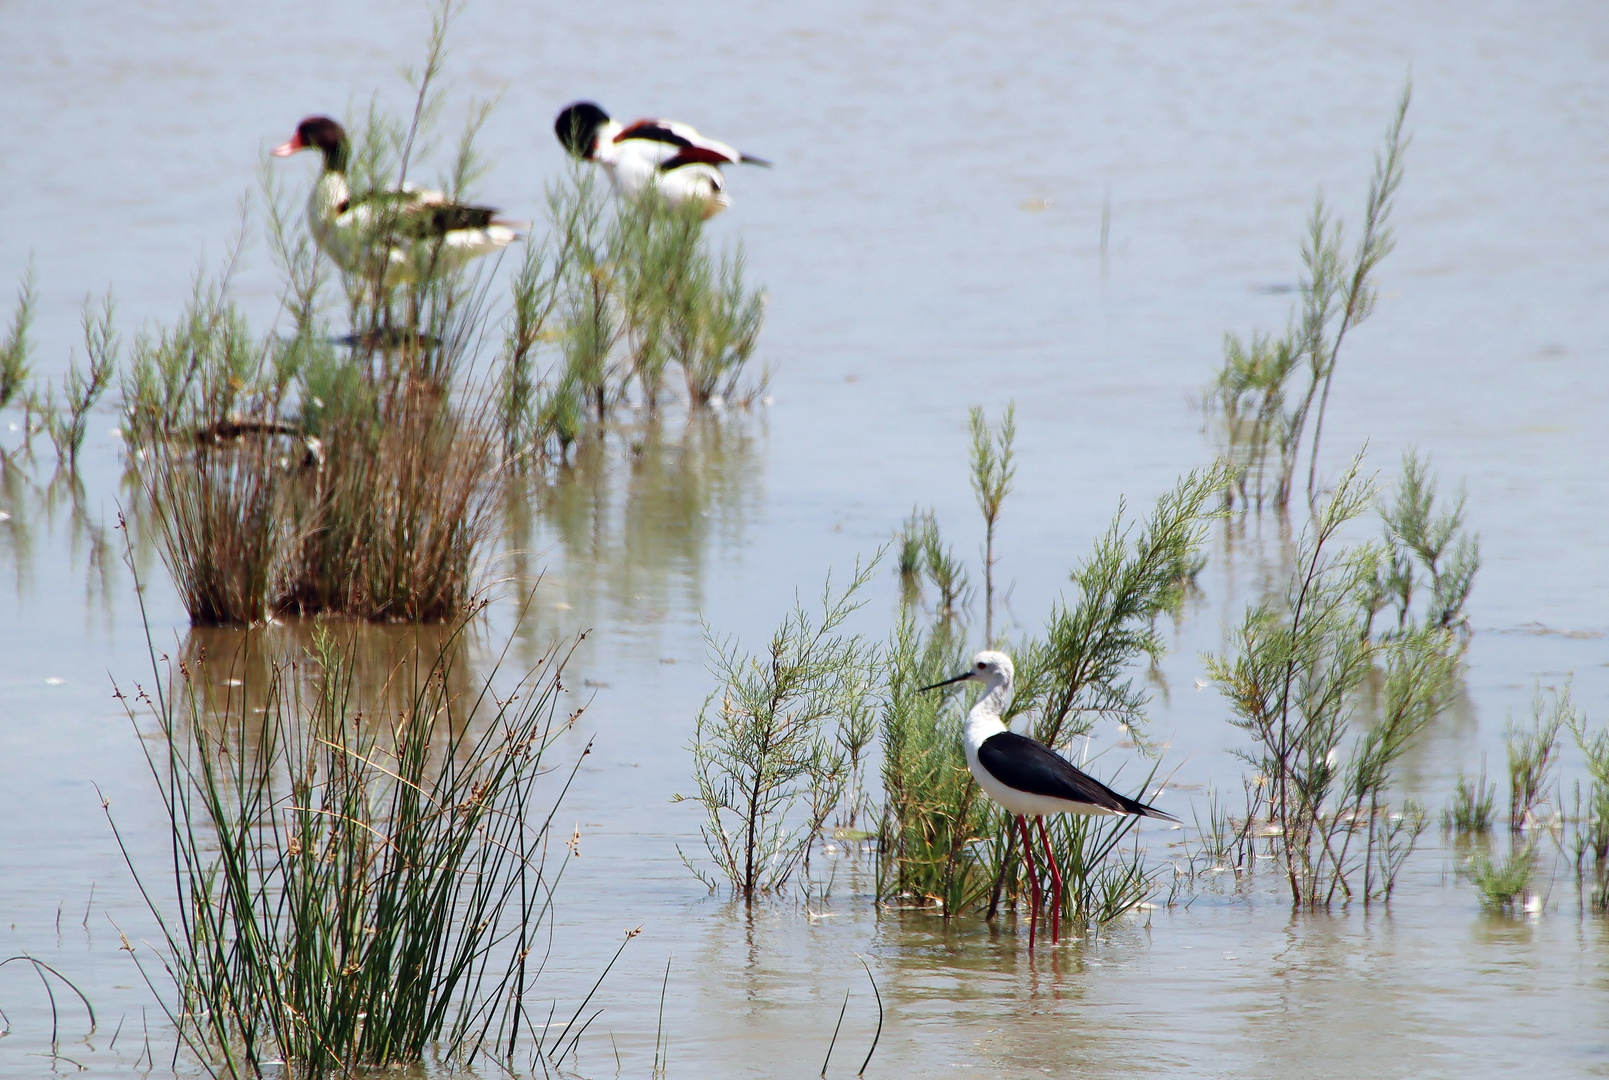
[677, 141]
[1027, 765]
[413, 213]
[439, 220]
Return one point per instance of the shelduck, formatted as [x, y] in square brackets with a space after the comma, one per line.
[424, 225]
[678, 162]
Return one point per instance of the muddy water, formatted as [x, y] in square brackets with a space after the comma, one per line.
[932, 239]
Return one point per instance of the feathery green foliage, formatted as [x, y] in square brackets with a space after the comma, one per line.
[1081, 670]
[15, 347]
[82, 390]
[1262, 415]
[1592, 824]
[1303, 674]
[1533, 752]
[1594, 746]
[1429, 553]
[769, 747]
[632, 289]
[1502, 884]
[934, 815]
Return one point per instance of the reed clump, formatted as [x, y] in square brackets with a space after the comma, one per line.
[1592, 839]
[622, 291]
[1533, 753]
[1474, 805]
[1269, 389]
[1502, 885]
[359, 881]
[1332, 701]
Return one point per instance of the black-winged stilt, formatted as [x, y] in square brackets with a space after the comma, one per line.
[678, 162]
[1028, 778]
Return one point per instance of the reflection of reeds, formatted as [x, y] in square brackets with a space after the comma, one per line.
[356, 884]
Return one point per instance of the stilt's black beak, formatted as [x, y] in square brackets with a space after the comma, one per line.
[946, 682]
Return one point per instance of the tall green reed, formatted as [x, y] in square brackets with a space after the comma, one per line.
[359, 877]
[993, 470]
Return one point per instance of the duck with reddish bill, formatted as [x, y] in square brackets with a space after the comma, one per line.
[668, 157]
[1028, 778]
[422, 230]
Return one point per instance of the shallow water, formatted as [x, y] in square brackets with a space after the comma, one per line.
[931, 240]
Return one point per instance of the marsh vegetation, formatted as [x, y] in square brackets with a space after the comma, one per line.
[942, 846]
[366, 869]
[362, 870]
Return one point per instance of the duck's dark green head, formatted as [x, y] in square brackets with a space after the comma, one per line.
[322, 134]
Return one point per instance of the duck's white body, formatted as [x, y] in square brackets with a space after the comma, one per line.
[348, 232]
[422, 230]
[670, 158]
[634, 168]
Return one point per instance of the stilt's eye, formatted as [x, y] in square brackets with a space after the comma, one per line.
[981, 665]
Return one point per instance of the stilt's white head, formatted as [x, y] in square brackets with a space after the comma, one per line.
[990, 667]
[993, 669]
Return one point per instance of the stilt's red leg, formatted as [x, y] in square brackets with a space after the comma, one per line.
[1033, 878]
[1055, 885]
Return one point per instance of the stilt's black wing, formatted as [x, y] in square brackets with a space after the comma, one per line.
[1031, 766]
